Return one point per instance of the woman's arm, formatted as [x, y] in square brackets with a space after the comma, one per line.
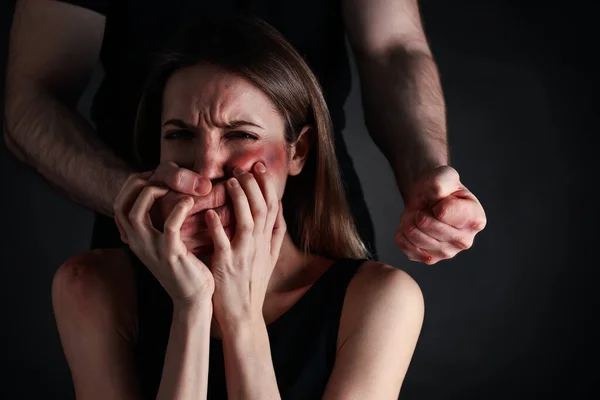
[248, 365]
[185, 371]
[379, 328]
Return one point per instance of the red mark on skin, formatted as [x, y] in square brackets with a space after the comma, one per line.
[197, 237]
[273, 155]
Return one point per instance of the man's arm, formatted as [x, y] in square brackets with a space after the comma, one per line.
[402, 97]
[53, 50]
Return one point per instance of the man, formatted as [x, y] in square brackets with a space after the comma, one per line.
[55, 45]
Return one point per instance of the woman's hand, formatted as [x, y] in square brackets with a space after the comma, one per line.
[185, 278]
[242, 267]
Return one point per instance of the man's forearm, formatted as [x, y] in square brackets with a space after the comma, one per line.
[52, 138]
[405, 112]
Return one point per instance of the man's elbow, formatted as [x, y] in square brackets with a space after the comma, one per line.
[396, 55]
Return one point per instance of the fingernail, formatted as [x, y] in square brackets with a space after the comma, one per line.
[260, 167]
[238, 171]
[197, 187]
[232, 182]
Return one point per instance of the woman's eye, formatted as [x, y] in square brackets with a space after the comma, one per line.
[241, 135]
[177, 134]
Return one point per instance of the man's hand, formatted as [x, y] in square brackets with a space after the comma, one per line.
[440, 219]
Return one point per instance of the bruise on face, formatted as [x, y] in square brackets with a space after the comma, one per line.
[273, 155]
[196, 235]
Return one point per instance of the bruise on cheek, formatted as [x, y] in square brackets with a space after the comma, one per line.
[273, 155]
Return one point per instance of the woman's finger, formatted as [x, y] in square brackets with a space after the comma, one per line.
[139, 216]
[257, 203]
[278, 233]
[243, 214]
[125, 201]
[121, 230]
[270, 195]
[220, 240]
[172, 230]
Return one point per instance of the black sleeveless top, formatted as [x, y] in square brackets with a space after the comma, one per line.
[303, 340]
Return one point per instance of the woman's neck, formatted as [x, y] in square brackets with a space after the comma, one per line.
[294, 269]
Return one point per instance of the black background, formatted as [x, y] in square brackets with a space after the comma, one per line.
[513, 317]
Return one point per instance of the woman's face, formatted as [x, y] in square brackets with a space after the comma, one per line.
[213, 121]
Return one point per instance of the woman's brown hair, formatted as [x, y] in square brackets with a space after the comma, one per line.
[314, 203]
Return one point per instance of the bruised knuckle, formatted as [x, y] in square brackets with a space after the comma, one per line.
[462, 244]
[479, 224]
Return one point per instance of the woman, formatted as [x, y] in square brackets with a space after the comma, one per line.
[226, 302]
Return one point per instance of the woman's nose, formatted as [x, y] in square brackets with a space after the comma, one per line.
[209, 163]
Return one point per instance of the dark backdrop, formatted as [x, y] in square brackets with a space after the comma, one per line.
[511, 318]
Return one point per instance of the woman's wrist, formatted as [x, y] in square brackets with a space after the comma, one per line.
[193, 310]
[234, 323]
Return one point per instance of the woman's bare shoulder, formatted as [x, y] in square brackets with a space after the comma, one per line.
[380, 277]
[379, 287]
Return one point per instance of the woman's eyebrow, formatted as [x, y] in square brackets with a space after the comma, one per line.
[230, 125]
[238, 123]
[177, 122]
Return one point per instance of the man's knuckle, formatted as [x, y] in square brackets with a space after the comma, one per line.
[480, 224]
[462, 244]
[446, 253]
[422, 220]
[442, 212]
[176, 179]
